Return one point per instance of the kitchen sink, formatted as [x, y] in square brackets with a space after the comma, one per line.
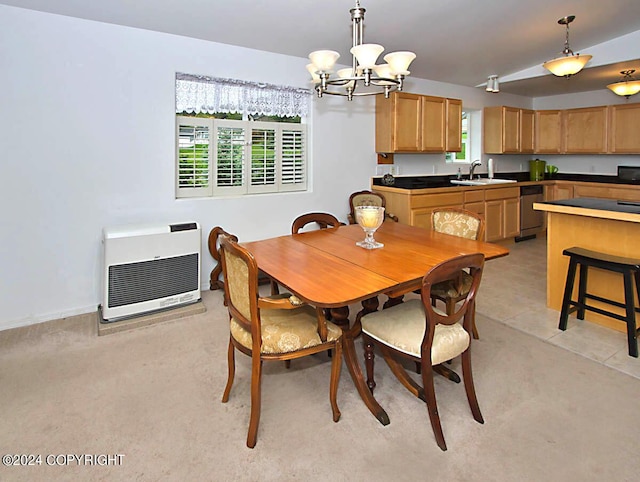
[485, 181]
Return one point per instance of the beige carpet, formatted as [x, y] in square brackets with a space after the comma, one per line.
[152, 397]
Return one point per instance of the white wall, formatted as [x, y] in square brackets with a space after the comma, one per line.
[87, 136]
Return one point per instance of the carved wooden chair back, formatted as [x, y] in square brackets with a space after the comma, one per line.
[367, 198]
[215, 278]
[464, 224]
[458, 222]
[322, 220]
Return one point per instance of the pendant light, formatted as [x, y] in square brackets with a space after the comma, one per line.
[627, 87]
[570, 63]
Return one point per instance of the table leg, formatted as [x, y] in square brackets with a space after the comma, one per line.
[340, 317]
[351, 360]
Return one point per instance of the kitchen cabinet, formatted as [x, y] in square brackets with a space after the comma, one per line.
[606, 191]
[548, 132]
[453, 137]
[474, 201]
[408, 123]
[560, 190]
[502, 213]
[500, 130]
[624, 129]
[508, 130]
[585, 130]
[423, 206]
[527, 131]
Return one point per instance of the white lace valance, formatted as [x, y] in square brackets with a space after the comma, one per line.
[197, 93]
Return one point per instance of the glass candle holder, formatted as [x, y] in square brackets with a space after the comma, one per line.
[370, 219]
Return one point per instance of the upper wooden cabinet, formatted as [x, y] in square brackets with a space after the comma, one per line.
[548, 132]
[613, 129]
[417, 123]
[624, 129]
[508, 130]
[453, 137]
[585, 130]
[527, 131]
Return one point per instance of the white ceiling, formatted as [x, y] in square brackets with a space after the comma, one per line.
[457, 41]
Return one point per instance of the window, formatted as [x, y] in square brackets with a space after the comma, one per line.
[225, 153]
[227, 157]
[471, 135]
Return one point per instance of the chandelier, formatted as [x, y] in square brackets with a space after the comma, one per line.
[364, 77]
[628, 86]
[570, 63]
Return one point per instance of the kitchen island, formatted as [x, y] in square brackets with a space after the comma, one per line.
[603, 225]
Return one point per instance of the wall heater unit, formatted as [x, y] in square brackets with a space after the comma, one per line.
[149, 268]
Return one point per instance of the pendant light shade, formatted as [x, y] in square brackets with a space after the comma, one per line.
[569, 63]
[627, 87]
[567, 66]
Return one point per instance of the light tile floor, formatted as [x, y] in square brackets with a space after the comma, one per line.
[513, 292]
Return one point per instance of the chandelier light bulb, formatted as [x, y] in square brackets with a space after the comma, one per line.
[314, 76]
[367, 54]
[399, 62]
[324, 60]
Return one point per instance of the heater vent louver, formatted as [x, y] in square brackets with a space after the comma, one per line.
[150, 280]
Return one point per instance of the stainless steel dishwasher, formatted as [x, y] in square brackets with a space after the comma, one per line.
[530, 220]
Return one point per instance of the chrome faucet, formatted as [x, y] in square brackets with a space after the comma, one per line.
[473, 166]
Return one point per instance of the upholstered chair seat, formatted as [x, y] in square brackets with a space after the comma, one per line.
[286, 331]
[403, 329]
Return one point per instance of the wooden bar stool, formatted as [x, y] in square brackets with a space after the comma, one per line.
[628, 267]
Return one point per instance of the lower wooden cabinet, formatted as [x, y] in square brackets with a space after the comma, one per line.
[560, 190]
[502, 213]
[422, 217]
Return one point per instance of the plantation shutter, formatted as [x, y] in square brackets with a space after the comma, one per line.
[230, 155]
[293, 159]
[194, 156]
[263, 153]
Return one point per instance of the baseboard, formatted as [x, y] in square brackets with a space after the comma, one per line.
[148, 319]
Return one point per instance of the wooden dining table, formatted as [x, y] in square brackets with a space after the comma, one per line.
[326, 269]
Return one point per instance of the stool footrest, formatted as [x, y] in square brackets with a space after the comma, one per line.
[575, 306]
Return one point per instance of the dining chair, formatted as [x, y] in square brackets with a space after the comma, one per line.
[322, 220]
[278, 327]
[215, 277]
[464, 224]
[367, 198]
[421, 332]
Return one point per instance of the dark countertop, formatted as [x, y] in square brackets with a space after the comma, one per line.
[631, 207]
[422, 182]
